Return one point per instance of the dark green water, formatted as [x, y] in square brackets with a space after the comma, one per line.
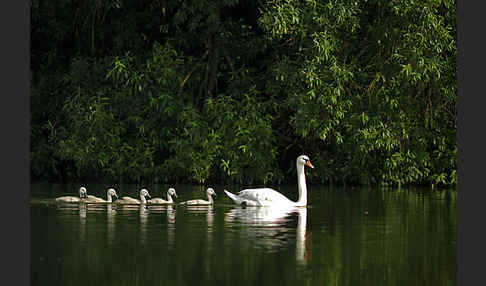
[344, 237]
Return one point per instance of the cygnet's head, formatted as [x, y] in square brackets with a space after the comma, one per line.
[83, 193]
[112, 193]
[144, 193]
[172, 192]
[210, 191]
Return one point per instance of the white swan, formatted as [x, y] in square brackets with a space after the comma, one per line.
[170, 192]
[131, 201]
[209, 193]
[109, 194]
[72, 199]
[270, 197]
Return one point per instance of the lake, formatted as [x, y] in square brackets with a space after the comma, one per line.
[352, 236]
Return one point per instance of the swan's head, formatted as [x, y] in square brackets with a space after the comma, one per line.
[211, 192]
[172, 192]
[303, 160]
[112, 193]
[83, 193]
[144, 193]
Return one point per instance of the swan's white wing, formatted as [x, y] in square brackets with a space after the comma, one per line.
[264, 197]
[239, 200]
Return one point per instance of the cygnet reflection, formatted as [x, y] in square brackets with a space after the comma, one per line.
[110, 218]
[208, 211]
[144, 213]
[82, 222]
[171, 219]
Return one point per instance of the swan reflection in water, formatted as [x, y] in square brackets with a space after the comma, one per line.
[300, 248]
[272, 227]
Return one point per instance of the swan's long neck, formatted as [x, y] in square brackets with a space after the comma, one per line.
[210, 198]
[169, 197]
[142, 199]
[302, 186]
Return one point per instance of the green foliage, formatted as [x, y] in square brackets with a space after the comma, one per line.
[232, 91]
[247, 148]
[364, 78]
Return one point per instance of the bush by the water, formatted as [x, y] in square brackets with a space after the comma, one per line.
[233, 91]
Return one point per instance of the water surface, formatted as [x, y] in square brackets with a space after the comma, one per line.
[344, 237]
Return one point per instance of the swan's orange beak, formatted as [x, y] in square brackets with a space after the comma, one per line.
[308, 163]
